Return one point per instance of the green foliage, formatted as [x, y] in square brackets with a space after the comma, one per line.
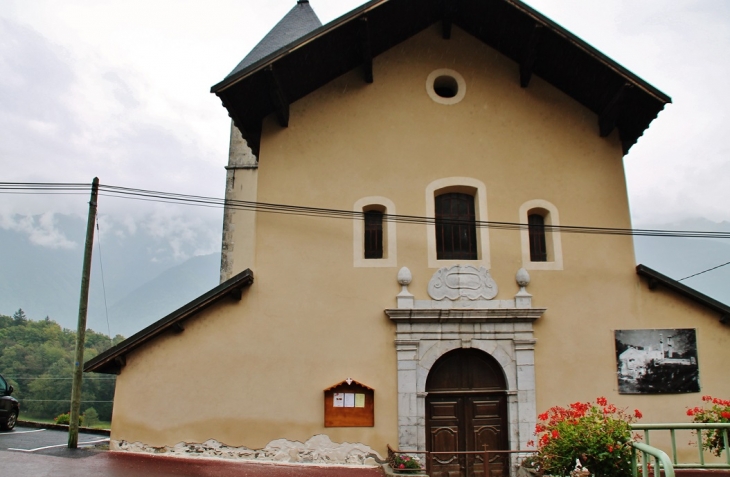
[36, 357]
[65, 418]
[716, 410]
[91, 417]
[599, 435]
[19, 317]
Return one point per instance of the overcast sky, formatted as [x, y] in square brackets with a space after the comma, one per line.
[119, 89]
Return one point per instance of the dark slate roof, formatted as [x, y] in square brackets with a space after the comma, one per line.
[298, 22]
[536, 44]
[112, 360]
[655, 279]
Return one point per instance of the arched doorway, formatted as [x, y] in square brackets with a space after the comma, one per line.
[466, 410]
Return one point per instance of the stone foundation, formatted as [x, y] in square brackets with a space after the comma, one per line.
[317, 450]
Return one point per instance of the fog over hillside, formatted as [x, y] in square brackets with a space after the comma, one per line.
[148, 275]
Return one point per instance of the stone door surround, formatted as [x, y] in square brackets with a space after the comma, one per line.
[427, 329]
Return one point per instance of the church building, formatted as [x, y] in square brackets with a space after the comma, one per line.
[423, 247]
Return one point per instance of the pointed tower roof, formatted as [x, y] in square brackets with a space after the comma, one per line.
[298, 22]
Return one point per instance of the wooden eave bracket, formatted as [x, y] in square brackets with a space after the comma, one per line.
[236, 294]
[725, 319]
[118, 363]
[447, 18]
[178, 327]
[530, 54]
[278, 98]
[608, 118]
[366, 49]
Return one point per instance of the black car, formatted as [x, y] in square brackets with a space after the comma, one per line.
[9, 407]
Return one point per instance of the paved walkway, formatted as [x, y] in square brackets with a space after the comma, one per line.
[64, 462]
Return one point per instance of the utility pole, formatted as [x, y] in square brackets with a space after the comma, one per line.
[73, 425]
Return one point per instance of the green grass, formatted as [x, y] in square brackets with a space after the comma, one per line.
[43, 420]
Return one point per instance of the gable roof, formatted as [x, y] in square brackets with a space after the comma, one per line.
[112, 360]
[655, 279]
[537, 45]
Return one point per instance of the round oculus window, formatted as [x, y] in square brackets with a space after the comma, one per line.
[445, 86]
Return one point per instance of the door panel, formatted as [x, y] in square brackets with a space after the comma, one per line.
[466, 423]
[444, 436]
[484, 422]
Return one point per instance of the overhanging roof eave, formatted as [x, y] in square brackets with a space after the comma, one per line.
[593, 51]
[684, 290]
[106, 361]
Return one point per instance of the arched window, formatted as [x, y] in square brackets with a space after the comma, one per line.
[373, 239]
[538, 246]
[541, 245]
[456, 235]
[374, 243]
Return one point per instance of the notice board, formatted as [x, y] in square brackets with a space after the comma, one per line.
[349, 404]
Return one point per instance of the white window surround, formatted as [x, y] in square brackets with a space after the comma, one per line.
[459, 184]
[460, 83]
[552, 238]
[389, 239]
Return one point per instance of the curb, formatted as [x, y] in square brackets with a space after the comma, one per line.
[63, 427]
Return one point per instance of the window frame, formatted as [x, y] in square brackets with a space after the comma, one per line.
[467, 185]
[553, 243]
[373, 246]
[389, 257]
[455, 227]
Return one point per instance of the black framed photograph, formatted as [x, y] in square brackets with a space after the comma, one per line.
[657, 361]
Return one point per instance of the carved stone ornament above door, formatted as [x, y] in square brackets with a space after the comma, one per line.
[462, 281]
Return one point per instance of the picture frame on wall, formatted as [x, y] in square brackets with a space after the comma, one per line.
[657, 361]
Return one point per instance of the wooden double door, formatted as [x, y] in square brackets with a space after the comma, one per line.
[466, 411]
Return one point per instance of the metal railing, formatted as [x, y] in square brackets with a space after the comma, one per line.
[661, 461]
[697, 427]
[485, 454]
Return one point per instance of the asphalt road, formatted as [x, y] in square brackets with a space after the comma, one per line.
[43, 441]
[43, 453]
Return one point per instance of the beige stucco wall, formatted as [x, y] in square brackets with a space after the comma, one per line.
[248, 372]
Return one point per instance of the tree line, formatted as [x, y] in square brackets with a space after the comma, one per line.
[36, 358]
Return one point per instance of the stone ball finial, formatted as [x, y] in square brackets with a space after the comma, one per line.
[404, 276]
[522, 277]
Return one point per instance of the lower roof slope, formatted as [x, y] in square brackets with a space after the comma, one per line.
[112, 360]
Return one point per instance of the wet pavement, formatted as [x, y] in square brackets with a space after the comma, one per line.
[40, 440]
[38, 453]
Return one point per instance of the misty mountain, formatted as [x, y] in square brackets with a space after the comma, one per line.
[137, 275]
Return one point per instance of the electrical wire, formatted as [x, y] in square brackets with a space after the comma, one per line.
[103, 284]
[202, 201]
[704, 271]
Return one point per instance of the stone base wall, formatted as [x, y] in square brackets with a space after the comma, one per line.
[317, 450]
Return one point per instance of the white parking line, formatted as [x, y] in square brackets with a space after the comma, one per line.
[15, 433]
[99, 441]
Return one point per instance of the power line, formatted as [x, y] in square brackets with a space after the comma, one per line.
[202, 201]
[704, 271]
[103, 285]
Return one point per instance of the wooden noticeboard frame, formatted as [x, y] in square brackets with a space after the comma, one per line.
[349, 404]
